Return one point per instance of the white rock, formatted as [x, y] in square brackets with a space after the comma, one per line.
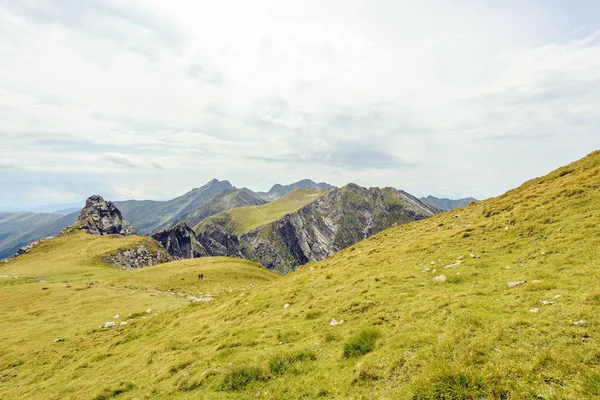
[123, 323]
[148, 311]
[547, 303]
[426, 270]
[475, 256]
[439, 278]
[516, 283]
[434, 271]
[334, 322]
[286, 305]
[557, 296]
[536, 281]
[110, 324]
[534, 310]
[433, 263]
[116, 316]
[580, 322]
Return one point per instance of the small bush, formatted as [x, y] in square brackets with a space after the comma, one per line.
[282, 363]
[107, 393]
[362, 343]
[240, 377]
[313, 314]
[454, 386]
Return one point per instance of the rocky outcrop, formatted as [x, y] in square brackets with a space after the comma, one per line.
[100, 217]
[180, 241]
[146, 254]
[337, 220]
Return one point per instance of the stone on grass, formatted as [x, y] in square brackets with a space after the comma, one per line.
[439, 278]
[334, 322]
[580, 322]
[110, 324]
[286, 305]
[547, 303]
[515, 283]
[534, 310]
[116, 316]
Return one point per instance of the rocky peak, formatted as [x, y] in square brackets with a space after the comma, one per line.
[100, 217]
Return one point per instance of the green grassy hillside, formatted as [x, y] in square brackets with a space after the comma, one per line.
[407, 332]
[238, 221]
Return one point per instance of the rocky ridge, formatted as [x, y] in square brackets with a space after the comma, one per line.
[336, 220]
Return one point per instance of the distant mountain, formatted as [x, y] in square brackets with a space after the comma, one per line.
[237, 221]
[227, 199]
[333, 221]
[58, 208]
[447, 204]
[20, 229]
[278, 190]
[148, 216]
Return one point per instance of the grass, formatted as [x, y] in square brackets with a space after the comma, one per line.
[241, 220]
[468, 337]
[362, 343]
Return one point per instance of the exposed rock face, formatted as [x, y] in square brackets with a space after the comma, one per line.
[146, 254]
[218, 243]
[100, 217]
[180, 241]
[337, 220]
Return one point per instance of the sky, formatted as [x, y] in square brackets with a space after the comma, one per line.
[147, 99]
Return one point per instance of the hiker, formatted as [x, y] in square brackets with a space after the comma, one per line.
[200, 276]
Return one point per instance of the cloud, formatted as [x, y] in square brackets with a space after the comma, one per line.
[121, 159]
[127, 26]
[6, 166]
[198, 72]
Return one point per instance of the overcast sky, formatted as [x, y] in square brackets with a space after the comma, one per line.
[150, 98]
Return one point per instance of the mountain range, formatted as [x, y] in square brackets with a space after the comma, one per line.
[149, 216]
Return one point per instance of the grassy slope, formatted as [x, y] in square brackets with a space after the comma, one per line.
[470, 337]
[243, 219]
